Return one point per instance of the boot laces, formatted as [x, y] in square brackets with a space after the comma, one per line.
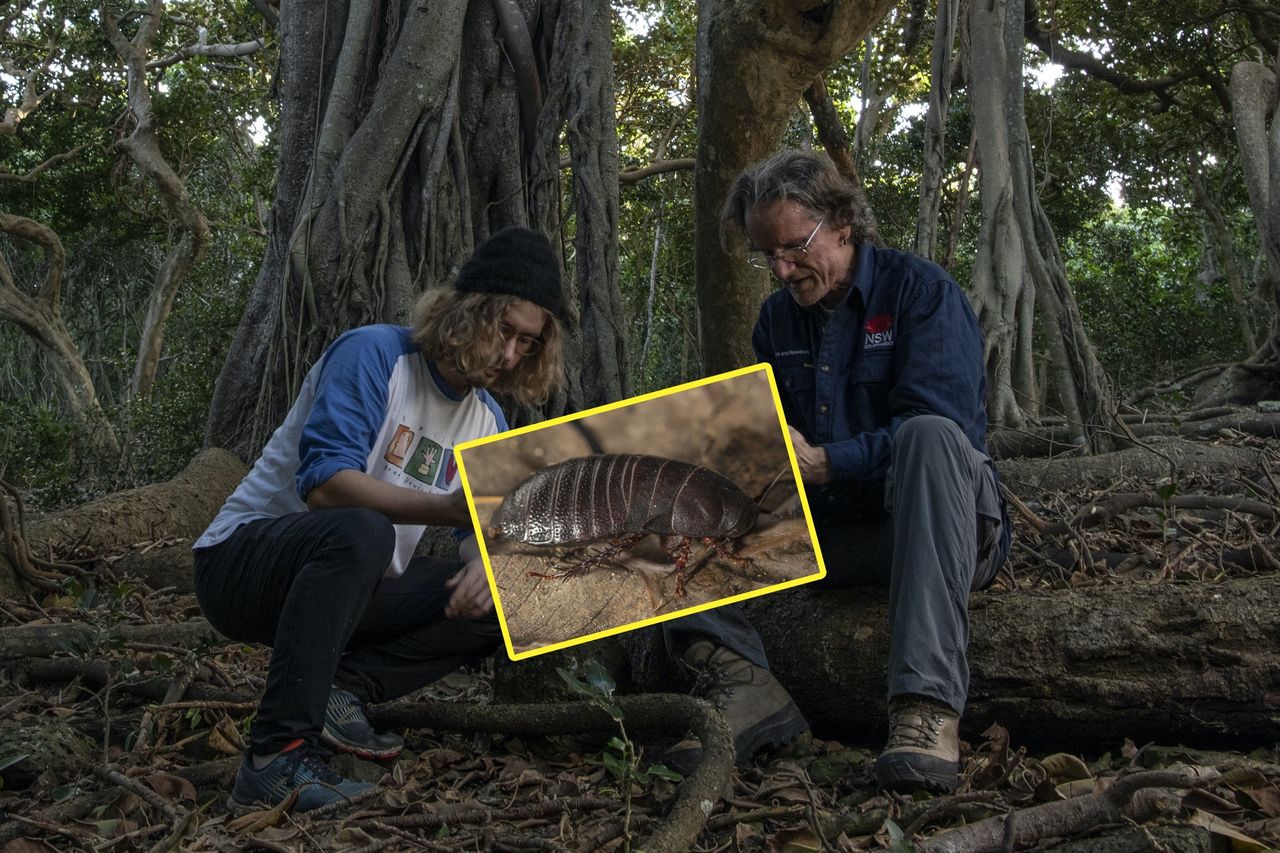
[715, 680]
[310, 765]
[915, 725]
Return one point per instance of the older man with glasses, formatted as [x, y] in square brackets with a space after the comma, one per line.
[879, 362]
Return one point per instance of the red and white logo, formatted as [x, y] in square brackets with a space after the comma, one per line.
[879, 328]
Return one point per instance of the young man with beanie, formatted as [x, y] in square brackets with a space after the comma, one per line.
[313, 552]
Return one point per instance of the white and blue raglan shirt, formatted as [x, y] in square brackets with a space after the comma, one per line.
[373, 403]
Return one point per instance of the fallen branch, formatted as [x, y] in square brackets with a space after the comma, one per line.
[1139, 798]
[474, 812]
[139, 790]
[42, 641]
[1181, 383]
[656, 711]
[1097, 513]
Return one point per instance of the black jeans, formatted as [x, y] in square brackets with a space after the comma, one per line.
[311, 586]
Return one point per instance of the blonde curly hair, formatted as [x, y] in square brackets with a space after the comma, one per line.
[461, 330]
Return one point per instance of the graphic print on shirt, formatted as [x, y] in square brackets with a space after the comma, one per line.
[448, 471]
[399, 447]
[425, 461]
[879, 329]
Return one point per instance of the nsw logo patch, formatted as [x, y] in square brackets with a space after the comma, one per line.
[879, 332]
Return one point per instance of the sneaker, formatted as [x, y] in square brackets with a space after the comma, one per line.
[299, 767]
[347, 729]
[924, 746]
[758, 709]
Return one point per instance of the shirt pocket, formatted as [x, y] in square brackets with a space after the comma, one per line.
[872, 368]
[797, 388]
[869, 386]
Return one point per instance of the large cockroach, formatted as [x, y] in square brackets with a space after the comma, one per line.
[626, 495]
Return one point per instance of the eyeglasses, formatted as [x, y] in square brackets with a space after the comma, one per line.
[525, 344]
[791, 254]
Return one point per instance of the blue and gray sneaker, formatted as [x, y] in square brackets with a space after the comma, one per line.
[347, 729]
[299, 767]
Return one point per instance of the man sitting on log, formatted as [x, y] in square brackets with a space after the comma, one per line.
[313, 552]
[878, 358]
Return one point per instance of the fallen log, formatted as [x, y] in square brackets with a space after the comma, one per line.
[39, 641]
[1056, 439]
[180, 508]
[174, 513]
[1029, 477]
[1137, 798]
[1194, 661]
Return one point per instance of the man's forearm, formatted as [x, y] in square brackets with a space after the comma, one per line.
[469, 549]
[352, 488]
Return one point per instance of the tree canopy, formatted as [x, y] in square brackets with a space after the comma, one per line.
[1133, 157]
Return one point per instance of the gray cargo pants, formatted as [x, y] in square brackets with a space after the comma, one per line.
[936, 537]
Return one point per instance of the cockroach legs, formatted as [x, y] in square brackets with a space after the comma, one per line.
[682, 559]
[603, 558]
[723, 550]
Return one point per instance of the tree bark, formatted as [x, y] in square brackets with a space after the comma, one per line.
[1221, 236]
[1254, 97]
[40, 316]
[935, 127]
[754, 60]
[144, 147]
[405, 141]
[1018, 254]
[180, 508]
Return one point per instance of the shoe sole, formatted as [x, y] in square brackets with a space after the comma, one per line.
[774, 731]
[785, 726]
[899, 773]
[360, 751]
[238, 808]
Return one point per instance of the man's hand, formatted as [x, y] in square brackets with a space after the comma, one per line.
[815, 467]
[471, 597]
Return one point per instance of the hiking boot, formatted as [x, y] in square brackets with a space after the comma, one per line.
[299, 767]
[347, 729]
[757, 708]
[924, 746]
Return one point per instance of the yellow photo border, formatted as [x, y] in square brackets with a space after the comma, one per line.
[461, 449]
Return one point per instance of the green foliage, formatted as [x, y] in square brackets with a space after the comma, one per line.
[1136, 277]
[593, 683]
[653, 59]
[116, 230]
[1138, 269]
[898, 841]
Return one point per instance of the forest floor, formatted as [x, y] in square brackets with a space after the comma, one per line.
[110, 743]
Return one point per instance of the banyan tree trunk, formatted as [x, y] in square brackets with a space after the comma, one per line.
[409, 133]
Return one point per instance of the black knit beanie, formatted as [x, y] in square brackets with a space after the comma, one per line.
[516, 262]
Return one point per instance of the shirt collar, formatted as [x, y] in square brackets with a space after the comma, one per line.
[863, 266]
[444, 387]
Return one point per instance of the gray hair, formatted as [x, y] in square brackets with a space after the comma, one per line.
[808, 179]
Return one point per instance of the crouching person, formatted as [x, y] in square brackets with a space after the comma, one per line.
[313, 552]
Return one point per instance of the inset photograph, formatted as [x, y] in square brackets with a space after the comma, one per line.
[640, 511]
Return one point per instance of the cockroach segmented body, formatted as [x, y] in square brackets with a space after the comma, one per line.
[625, 495]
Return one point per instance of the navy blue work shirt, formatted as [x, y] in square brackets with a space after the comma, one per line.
[902, 342]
